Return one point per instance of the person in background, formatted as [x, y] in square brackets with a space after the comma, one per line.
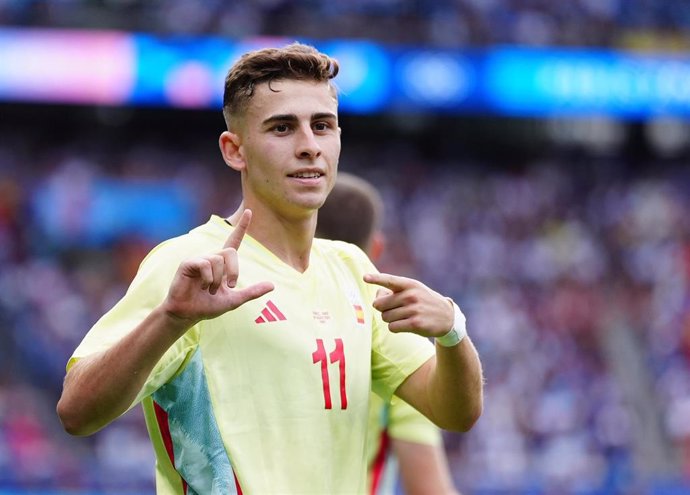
[402, 443]
[253, 347]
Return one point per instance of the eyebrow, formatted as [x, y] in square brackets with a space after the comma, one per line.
[291, 117]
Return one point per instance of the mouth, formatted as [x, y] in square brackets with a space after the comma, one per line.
[306, 175]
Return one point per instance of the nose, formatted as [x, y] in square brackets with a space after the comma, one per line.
[307, 145]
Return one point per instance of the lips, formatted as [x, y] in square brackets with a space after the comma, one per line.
[310, 174]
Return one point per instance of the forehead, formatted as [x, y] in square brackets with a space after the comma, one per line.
[291, 97]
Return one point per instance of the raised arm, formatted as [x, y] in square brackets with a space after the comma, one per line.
[99, 388]
[448, 387]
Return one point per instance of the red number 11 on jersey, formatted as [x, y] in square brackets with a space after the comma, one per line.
[337, 356]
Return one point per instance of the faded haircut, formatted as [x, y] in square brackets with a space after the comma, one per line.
[351, 213]
[296, 61]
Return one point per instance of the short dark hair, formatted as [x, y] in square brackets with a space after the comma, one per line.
[351, 212]
[294, 61]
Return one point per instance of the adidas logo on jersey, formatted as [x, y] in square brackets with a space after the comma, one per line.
[270, 313]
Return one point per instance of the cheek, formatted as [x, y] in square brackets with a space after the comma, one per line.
[334, 151]
[274, 155]
[263, 160]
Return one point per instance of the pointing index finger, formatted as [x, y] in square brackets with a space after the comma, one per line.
[235, 238]
[392, 282]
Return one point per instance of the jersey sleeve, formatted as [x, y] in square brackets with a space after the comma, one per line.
[147, 291]
[395, 356]
[406, 423]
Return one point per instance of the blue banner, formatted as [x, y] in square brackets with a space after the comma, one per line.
[116, 68]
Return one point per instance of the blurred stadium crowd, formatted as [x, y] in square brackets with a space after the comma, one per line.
[574, 274]
[445, 23]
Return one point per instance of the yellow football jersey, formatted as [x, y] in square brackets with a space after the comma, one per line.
[272, 397]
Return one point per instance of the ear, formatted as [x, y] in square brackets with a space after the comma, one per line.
[231, 149]
[376, 246]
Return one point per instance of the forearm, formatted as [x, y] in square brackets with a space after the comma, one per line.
[99, 388]
[447, 388]
[455, 386]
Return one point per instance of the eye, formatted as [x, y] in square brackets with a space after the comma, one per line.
[321, 126]
[281, 128]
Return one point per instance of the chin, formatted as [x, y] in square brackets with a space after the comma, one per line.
[313, 203]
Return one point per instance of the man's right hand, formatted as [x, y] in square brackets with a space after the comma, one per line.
[204, 287]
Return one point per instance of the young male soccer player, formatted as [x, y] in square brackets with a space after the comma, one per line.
[399, 436]
[253, 347]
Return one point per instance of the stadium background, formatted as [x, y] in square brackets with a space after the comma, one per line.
[533, 159]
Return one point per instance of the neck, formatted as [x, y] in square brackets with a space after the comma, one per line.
[290, 239]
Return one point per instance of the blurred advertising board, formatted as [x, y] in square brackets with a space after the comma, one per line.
[117, 68]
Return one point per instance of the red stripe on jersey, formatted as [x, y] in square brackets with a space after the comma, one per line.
[267, 314]
[379, 462]
[237, 484]
[260, 319]
[164, 427]
[275, 310]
